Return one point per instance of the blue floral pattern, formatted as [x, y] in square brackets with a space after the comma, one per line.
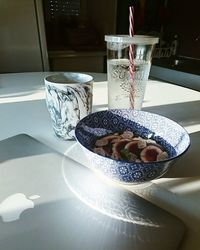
[166, 132]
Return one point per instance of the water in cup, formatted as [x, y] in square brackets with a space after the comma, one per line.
[119, 82]
[126, 90]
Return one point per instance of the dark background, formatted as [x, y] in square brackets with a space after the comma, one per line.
[166, 19]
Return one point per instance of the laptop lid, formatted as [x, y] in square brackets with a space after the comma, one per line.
[48, 201]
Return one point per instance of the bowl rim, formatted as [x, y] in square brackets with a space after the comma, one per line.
[138, 163]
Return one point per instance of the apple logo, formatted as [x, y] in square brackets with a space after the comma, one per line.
[12, 207]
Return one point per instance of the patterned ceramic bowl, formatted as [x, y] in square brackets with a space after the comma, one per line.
[167, 133]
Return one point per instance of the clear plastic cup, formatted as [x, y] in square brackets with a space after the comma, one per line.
[121, 82]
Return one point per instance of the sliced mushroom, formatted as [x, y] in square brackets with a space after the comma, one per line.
[132, 147]
[116, 156]
[151, 141]
[133, 157]
[142, 144]
[118, 139]
[162, 156]
[128, 147]
[101, 142]
[127, 135]
[120, 145]
[99, 151]
[150, 153]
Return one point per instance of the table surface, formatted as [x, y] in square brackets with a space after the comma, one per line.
[23, 110]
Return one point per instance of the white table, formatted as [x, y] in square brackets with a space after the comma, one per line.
[23, 110]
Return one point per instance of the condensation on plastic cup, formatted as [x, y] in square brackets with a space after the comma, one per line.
[119, 80]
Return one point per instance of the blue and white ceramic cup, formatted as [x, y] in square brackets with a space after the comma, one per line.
[68, 99]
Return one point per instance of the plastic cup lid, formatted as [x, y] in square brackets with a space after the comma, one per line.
[137, 39]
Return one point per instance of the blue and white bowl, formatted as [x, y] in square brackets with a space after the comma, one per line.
[164, 131]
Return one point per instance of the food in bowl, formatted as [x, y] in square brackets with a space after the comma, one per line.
[172, 137]
[127, 146]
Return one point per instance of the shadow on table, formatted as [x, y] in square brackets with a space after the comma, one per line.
[16, 85]
[20, 146]
[185, 173]
[21, 92]
[186, 113]
[175, 112]
[184, 176]
[188, 164]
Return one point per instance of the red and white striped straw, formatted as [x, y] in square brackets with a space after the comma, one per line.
[131, 56]
[131, 21]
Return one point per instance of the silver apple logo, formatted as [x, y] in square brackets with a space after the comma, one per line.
[12, 207]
